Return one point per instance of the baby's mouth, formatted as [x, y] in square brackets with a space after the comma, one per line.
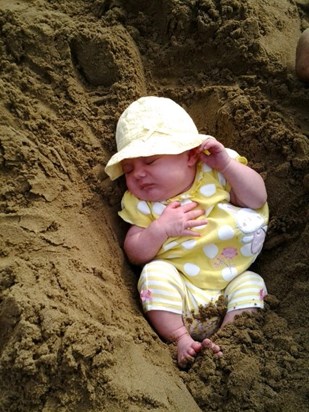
[146, 186]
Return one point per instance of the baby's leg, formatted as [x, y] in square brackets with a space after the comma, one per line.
[163, 295]
[170, 326]
[230, 316]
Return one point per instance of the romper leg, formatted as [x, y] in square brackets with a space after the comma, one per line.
[161, 287]
[162, 293]
[245, 293]
[247, 290]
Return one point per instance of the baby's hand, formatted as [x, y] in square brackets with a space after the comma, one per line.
[179, 220]
[213, 153]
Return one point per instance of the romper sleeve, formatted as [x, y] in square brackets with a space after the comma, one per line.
[234, 155]
[135, 211]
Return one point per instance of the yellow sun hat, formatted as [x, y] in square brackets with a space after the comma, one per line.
[152, 126]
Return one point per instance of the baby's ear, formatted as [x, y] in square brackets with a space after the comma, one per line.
[193, 156]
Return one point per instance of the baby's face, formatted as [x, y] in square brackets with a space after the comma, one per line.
[159, 177]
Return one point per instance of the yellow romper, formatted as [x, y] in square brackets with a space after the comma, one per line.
[189, 271]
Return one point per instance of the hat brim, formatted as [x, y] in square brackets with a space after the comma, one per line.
[156, 144]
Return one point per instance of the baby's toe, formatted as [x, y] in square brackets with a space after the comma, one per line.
[185, 361]
[207, 343]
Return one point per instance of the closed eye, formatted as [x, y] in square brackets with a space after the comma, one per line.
[151, 160]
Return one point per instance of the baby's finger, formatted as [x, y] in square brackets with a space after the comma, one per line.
[192, 215]
[191, 233]
[190, 224]
[213, 146]
[173, 205]
[200, 222]
[187, 207]
[198, 225]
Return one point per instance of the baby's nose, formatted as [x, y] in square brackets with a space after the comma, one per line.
[139, 172]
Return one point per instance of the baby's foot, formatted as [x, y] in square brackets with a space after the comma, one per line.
[207, 343]
[187, 349]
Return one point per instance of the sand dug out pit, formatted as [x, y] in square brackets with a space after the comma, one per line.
[73, 337]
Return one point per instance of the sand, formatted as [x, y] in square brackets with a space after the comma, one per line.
[73, 336]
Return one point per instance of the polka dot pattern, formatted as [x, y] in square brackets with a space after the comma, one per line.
[170, 245]
[158, 208]
[221, 179]
[226, 232]
[143, 207]
[229, 273]
[206, 168]
[189, 244]
[191, 269]
[208, 190]
[211, 250]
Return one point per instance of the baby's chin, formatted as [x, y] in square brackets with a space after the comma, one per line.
[160, 198]
[149, 198]
[154, 194]
[149, 195]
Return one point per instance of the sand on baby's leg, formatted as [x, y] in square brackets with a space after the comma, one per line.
[170, 326]
[230, 316]
[206, 321]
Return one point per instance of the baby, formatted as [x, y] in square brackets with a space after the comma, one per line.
[198, 217]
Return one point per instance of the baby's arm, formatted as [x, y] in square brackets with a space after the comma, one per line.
[247, 186]
[142, 244]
